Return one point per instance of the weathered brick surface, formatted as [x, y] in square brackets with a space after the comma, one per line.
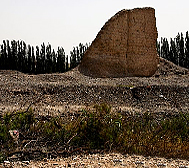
[125, 46]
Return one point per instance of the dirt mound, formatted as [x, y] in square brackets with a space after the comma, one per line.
[62, 92]
[167, 68]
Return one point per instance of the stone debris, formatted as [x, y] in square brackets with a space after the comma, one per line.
[101, 160]
[64, 94]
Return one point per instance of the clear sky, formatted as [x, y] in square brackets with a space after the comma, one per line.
[66, 23]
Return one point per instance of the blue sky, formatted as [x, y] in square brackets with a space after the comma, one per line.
[66, 23]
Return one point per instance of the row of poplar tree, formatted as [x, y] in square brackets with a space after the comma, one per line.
[176, 50]
[16, 55]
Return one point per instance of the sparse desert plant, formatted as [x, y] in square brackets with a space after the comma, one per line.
[97, 129]
[102, 129]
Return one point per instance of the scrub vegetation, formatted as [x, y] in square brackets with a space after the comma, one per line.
[96, 129]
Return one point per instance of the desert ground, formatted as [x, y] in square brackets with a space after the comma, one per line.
[165, 93]
[102, 160]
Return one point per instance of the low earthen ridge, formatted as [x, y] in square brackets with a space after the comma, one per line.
[125, 46]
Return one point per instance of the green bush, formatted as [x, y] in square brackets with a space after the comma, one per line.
[102, 129]
[98, 129]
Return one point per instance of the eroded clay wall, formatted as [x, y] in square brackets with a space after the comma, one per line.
[125, 46]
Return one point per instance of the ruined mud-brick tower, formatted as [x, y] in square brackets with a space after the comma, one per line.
[125, 46]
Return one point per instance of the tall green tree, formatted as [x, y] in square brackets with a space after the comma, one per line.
[164, 48]
[173, 52]
[60, 60]
[42, 54]
[10, 60]
[20, 56]
[38, 61]
[48, 64]
[181, 52]
[178, 51]
[5, 54]
[3, 57]
[67, 64]
[78, 56]
[73, 58]
[54, 61]
[33, 61]
[24, 56]
[177, 42]
[158, 47]
[14, 54]
[29, 59]
[187, 50]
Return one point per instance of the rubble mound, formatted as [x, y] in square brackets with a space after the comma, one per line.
[168, 68]
[125, 46]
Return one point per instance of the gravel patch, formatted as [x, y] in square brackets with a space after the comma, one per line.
[102, 160]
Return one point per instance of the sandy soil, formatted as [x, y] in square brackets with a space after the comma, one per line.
[102, 160]
[55, 94]
[167, 92]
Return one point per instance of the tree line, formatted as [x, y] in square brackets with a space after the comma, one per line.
[16, 55]
[176, 50]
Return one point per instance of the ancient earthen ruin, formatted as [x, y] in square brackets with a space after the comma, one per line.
[125, 46]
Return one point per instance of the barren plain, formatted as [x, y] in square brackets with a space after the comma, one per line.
[165, 93]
